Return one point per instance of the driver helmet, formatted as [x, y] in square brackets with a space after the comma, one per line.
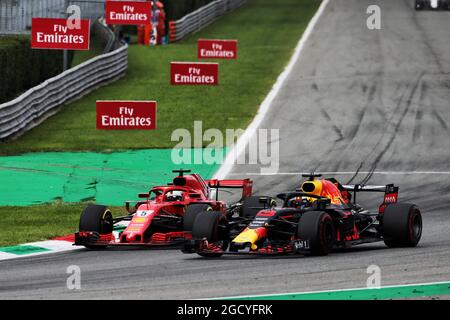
[300, 202]
[175, 195]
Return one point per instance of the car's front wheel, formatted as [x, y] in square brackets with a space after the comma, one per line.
[317, 227]
[191, 213]
[96, 218]
[212, 226]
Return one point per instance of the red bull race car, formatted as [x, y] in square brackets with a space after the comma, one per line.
[432, 4]
[164, 216]
[319, 216]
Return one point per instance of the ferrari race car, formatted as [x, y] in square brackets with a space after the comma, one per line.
[320, 216]
[164, 216]
[432, 4]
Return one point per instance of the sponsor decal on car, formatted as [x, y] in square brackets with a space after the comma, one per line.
[390, 198]
[144, 213]
[134, 228]
[301, 244]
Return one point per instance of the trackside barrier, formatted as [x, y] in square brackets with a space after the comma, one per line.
[197, 20]
[41, 102]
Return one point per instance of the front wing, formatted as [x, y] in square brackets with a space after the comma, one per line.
[94, 239]
[289, 247]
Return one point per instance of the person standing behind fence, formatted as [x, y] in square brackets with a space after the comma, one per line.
[154, 34]
[161, 27]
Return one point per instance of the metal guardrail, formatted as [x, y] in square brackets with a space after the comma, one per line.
[197, 20]
[41, 102]
[105, 35]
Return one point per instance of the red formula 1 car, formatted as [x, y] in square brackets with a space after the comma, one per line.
[164, 217]
[314, 219]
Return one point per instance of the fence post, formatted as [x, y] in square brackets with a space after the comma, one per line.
[66, 52]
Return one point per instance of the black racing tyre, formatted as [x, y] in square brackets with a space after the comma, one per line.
[191, 213]
[96, 218]
[251, 206]
[402, 225]
[317, 227]
[211, 225]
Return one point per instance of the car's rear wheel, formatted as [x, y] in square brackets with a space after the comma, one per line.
[402, 225]
[96, 218]
[192, 212]
[212, 226]
[317, 227]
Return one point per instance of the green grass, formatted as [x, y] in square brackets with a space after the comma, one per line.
[268, 32]
[42, 222]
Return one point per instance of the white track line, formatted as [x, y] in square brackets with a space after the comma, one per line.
[52, 245]
[343, 173]
[7, 256]
[239, 147]
[335, 290]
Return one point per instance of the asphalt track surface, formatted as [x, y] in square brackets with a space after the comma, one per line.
[373, 100]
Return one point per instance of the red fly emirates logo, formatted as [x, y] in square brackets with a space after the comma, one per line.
[126, 115]
[128, 12]
[49, 33]
[217, 49]
[194, 73]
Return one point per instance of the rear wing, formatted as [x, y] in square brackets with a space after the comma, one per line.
[245, 184]
[390, 193]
